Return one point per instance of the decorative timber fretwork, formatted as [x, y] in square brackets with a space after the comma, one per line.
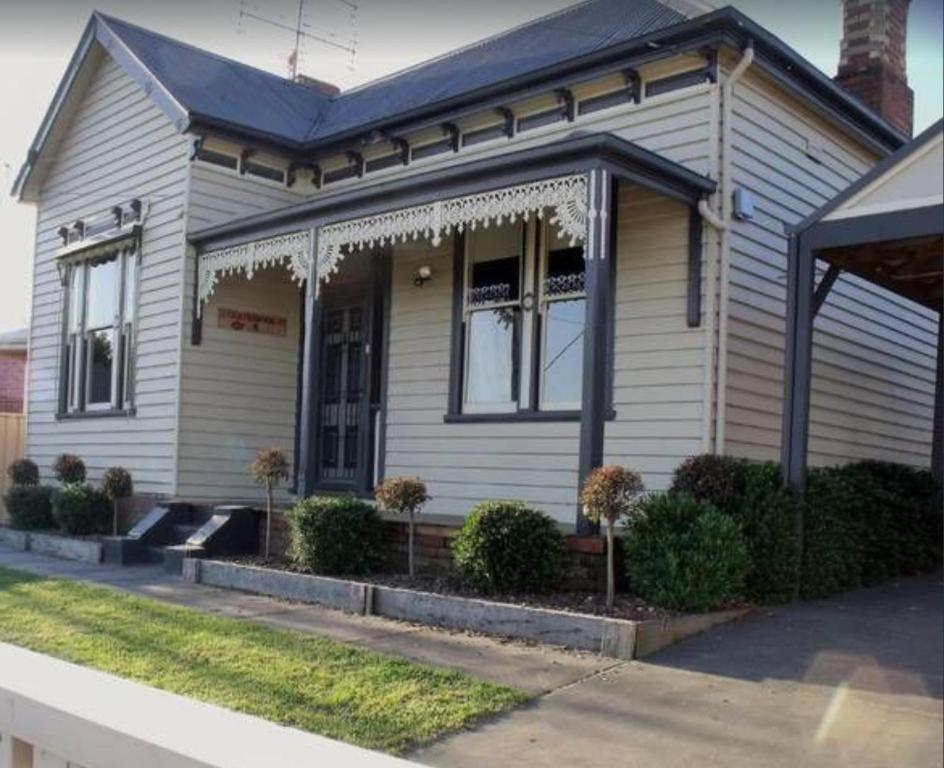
[566, 195]
[293, 249]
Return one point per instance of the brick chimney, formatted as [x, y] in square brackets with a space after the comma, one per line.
[319, 86]
[872, 58]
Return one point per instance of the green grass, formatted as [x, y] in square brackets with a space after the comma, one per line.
[299, 680]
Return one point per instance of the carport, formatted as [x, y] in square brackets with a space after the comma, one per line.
[885, 228]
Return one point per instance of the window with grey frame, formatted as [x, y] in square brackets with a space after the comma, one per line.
[523, 318]
[98, 348]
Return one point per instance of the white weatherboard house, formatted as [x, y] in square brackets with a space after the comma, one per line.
[561, 246]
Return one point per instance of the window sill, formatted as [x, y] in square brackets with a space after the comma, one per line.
[517, 416]
[112, 413]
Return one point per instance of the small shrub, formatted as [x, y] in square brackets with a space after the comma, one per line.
[116, 485]
[505, 546]
[23, 472]
[766, 512]
[69, 469]
[685, 554]
[80, 509]
[269, 468]
[404, 496]
[335, 535]
[708, 478]
[29, 507]
[609, 494]
[833, 534]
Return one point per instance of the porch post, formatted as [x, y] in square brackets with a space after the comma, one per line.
[598, 275]
[937, 434]
[307, 412]
[797, 364]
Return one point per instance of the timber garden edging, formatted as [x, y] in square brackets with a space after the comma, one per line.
[65, 547]
[617, 638]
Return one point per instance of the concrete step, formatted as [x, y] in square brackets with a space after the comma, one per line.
[183, 531]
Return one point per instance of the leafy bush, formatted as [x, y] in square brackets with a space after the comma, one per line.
[29, 507]
[335, 535]
[69, 469]
[505, 546]
[685, 554]
[404, 496]
[708, 478]
[23, 472]
[833, 534]
[80, 509]
[767, 512]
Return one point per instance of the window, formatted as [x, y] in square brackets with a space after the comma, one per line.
[522, 354]
[98, 351]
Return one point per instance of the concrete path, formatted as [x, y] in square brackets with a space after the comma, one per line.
[854, 681]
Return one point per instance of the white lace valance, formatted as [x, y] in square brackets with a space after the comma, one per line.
[566, 195]
[294, 248]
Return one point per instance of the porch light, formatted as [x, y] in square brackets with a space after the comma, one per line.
[423, 274]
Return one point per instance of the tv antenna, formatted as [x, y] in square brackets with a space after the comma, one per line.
[301, 31]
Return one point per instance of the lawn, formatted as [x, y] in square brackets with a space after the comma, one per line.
[299, 680]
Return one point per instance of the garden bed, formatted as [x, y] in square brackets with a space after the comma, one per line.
[557, 620]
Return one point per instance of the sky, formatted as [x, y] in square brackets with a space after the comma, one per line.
[37, 38]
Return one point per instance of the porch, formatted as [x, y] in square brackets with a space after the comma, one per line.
[462, 322]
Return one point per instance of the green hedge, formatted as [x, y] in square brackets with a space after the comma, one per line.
[335, 535]
[505, 546]
[30, 507]
[685, 554]
[80, 509]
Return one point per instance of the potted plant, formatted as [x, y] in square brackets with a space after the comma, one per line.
[608, 494]
[269, 468]
[116, 485]
[403, 495]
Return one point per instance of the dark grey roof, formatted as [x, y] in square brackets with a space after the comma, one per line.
[233, 94]
[224, 90]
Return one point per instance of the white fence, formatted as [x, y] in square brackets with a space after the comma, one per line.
[59, 715]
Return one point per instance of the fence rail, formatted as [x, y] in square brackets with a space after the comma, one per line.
[12, 445]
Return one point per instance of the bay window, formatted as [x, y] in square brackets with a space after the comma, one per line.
[522, 324]
[98, 351]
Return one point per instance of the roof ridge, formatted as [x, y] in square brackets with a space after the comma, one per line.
[467, 47]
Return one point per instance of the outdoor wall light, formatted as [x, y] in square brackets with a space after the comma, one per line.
[423, 274]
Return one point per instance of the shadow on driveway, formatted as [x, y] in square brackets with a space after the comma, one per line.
[885, 639]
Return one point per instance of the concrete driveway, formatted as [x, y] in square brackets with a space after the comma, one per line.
[852, 681]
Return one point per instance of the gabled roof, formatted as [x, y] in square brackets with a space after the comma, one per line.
[198, 89]
[885, 169]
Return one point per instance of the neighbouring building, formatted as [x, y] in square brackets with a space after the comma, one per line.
[13, 370]
[564, 245]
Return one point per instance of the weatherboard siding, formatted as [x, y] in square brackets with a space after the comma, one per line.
[237, 389]
[873, 352]
[659, 362]
[117, 146]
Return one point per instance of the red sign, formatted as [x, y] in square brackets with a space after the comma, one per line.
[252, 322]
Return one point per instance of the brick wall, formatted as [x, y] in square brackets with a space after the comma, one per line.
[12, 380]
[584, 561]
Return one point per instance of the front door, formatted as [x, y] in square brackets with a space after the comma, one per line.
[344, 423]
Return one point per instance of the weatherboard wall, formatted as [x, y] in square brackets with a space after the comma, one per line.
[116, 146]
[873, 352]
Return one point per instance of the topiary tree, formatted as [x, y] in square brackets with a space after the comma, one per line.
[710, 478]
[403, 495]
[69, 469]
[269, 468]
[609, 494]
[505, 546]
[116, 485]
[23, 472]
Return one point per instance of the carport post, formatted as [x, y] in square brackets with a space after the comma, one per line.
[937, 434]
